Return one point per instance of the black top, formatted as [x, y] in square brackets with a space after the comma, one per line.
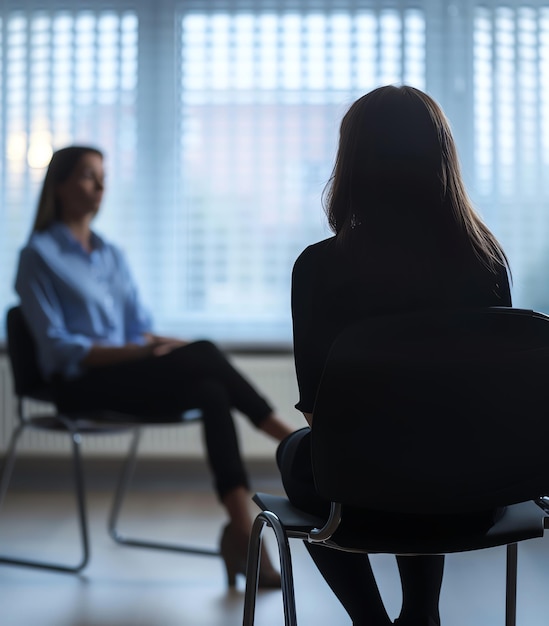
[332, 289]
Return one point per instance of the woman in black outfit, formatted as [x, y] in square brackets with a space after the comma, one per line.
[406, 238]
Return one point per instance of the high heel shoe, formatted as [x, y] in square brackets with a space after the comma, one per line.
[234, 550]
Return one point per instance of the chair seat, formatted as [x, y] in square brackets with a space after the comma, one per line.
[83, 426]
[104, 421]
[33, 391]
[291, 518]
[517, 523]
[420, 417]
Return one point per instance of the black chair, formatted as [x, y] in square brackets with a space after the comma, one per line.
[429, 413]
[30, 388]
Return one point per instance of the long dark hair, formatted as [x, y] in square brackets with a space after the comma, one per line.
[60, 168]
[397, 160]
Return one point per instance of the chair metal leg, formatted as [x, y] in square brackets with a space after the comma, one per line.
[124, 483]
[286, 572]
[9, 462]
[79, 491]
[252, 572]
[511, 585]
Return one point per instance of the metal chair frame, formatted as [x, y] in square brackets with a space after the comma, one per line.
[393, 358]
[76, 427]
[288, 522]
[76, 430]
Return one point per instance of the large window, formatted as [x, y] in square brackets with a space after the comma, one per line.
[511, 129]
[261, 94]
[219, 121]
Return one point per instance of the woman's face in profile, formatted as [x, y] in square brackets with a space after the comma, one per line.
[81, 193]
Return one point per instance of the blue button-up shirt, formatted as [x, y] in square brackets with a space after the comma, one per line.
[73, 299]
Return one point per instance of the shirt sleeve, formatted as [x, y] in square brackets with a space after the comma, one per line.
[137, 319]
[309, 360]
[58, 350]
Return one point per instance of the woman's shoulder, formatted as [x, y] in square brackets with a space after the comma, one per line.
[316, 251]
[41, 244]
[39, 254]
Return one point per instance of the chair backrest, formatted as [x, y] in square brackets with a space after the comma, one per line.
[27, 378]
[435, 412]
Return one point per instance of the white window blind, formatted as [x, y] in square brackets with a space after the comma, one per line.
[70, 77]
[511, 113]
[219, 121]
[261, 96]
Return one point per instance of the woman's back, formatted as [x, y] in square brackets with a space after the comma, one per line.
[333, 288]
[406, 235]
[406, 239]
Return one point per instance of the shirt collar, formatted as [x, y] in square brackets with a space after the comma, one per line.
[63, 235]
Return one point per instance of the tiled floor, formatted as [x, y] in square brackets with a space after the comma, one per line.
[134, 587]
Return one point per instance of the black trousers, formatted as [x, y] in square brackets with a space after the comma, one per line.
[349, 574]
[197, 375]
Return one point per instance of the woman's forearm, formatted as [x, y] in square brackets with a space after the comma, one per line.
[100, 356]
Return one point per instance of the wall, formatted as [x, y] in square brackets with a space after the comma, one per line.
[272, 374]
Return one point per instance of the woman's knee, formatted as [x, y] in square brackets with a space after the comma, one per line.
[291, 447]
[205, 346]
[207, 358]
[190, 352]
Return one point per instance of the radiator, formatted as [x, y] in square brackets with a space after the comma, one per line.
[273, 375]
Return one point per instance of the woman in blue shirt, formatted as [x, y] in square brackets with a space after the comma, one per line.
[96, 344]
